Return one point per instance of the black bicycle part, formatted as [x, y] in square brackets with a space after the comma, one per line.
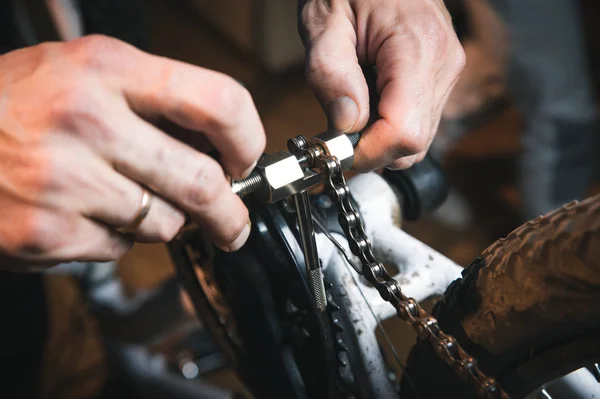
[422, 188]
[288, 348]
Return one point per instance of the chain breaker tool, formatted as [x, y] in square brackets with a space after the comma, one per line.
[324, 160]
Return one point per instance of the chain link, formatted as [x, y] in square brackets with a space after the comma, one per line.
[425, 325]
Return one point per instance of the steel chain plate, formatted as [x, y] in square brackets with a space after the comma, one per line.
[425, 325]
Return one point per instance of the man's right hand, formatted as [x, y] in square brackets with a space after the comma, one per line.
[77, 150]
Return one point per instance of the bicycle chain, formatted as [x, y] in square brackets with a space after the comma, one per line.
[425, 325]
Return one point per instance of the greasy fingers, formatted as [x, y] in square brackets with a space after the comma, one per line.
[418, 58]
[194, 98]
[78, 150]
[192, 181]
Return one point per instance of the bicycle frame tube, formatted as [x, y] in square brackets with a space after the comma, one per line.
[422, 272]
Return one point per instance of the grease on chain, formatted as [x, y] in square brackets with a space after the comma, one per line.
[425, 325]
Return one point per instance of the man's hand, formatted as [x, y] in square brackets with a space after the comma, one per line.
[77, 149]
[418, 57]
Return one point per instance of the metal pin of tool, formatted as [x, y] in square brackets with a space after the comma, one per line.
[309, 247]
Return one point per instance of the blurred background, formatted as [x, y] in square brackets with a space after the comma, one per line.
[256, 42]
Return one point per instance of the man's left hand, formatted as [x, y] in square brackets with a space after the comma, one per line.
[418, 56]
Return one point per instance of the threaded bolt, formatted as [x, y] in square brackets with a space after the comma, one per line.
[354, 138]
[248, 185]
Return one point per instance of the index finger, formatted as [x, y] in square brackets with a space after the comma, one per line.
[195, 98]
[404, 118]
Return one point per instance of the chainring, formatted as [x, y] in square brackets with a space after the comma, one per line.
[258, 307]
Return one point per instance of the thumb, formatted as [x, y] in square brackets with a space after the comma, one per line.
[333, 72]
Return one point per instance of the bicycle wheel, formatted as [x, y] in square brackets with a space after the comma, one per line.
[528, 309]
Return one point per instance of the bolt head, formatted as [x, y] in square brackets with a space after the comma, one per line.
[336, 143]
[281, 170]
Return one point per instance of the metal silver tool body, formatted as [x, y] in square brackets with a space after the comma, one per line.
[324, 159]
[284, 173]
[309, 247]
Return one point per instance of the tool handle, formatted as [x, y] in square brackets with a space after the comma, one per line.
[370, 73]
[354, 138]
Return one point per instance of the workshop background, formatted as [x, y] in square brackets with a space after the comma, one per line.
[256, 42]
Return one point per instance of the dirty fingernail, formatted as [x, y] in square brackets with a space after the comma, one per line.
[343, 113]
[241, 240]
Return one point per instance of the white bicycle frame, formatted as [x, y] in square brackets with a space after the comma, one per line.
[422, 273]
